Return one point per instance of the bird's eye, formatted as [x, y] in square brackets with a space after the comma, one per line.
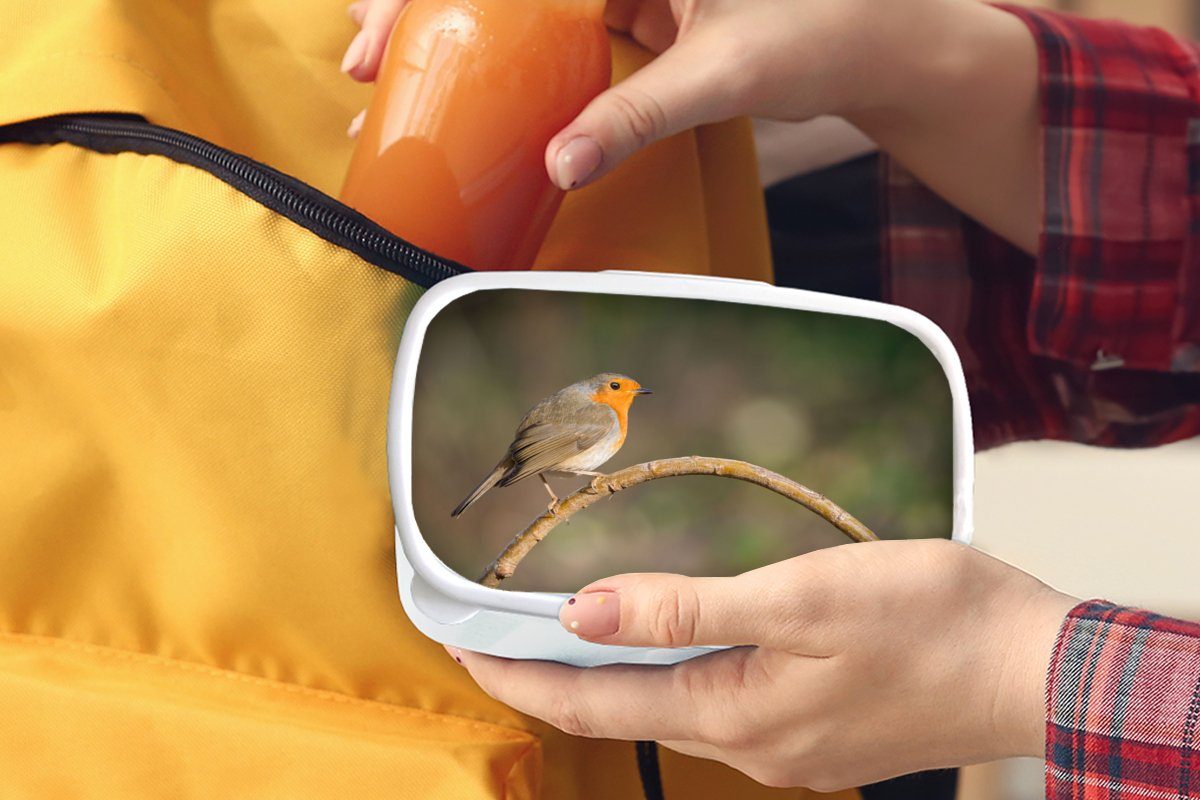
[614, 386]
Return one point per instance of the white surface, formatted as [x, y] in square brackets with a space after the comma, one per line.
[453, 610]
[1117, 524]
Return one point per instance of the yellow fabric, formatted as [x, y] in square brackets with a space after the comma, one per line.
[197, 589]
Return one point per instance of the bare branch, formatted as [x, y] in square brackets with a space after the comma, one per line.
[606, 485]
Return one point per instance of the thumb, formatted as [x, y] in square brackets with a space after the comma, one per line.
[668, 611]
[683, 87]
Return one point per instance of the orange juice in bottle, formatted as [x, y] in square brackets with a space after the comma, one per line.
[451, 152]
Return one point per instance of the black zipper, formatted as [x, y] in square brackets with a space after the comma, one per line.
[318, 212]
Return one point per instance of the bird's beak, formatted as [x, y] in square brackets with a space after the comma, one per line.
[642, 390]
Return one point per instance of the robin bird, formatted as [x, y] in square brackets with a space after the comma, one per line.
[573, 431]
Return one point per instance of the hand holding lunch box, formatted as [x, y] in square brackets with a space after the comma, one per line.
[781, 423]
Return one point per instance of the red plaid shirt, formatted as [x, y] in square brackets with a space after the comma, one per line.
[1096, 340]
[1124, 707]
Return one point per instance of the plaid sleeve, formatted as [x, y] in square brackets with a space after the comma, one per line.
[1097, 338]
[1123, 703]
[1117, 281]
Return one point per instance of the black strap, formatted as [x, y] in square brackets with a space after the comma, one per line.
[939, 784]
[648, 770]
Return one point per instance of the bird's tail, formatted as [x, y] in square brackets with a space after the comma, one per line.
[487, 483]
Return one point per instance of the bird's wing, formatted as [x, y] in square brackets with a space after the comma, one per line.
[542, 446]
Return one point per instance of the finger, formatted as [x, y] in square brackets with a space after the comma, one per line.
[356, 124]
[651, 23]
[654, 26]
[365, 52]
[685, 86]
[619, 14]
[614, 702]
[358, 10]
[354, 54]
[675, 611]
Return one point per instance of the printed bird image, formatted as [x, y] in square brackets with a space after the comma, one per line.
[572, 431]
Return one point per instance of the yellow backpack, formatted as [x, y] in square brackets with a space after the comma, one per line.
[197, 586]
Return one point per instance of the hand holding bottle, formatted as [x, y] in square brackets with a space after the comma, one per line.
[947, 87]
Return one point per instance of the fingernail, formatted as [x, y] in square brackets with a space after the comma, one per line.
[454, 652]
[592, 614]
[356, 124]
[356, 11]
[356, 52]
[577, 161]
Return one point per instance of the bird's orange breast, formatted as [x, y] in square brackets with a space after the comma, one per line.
[621, 409]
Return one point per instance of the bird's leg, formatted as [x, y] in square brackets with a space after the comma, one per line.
[554, 501]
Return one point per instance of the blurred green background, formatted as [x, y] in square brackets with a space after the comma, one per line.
[856, 409]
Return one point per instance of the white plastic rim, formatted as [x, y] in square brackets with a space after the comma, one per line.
[446, 606]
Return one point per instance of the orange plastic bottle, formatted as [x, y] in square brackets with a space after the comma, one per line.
[451, 153]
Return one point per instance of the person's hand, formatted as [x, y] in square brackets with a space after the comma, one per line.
[854, 664]
[947, 87]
